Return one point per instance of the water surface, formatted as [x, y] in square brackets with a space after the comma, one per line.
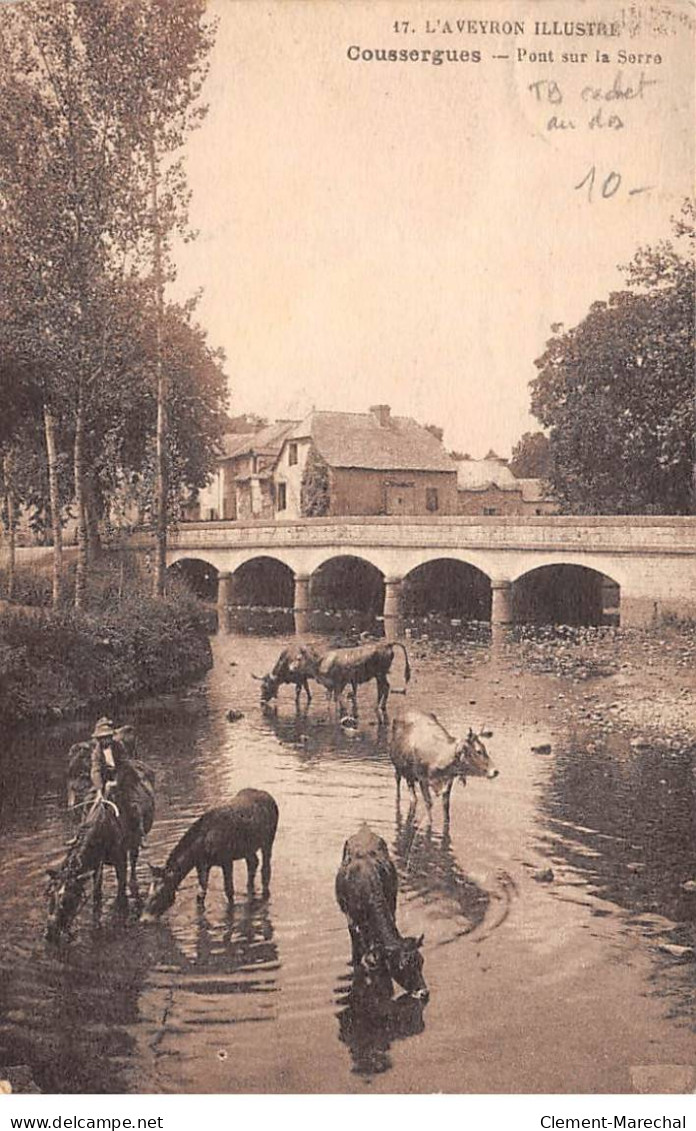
[536, 986]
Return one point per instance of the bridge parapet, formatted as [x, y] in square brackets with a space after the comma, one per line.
[613, 534]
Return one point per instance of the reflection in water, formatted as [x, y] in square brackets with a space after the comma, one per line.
[428, 867]
[313, 736]
[370, 1020]
[247, 1001]
[625, 819]
[242, 940]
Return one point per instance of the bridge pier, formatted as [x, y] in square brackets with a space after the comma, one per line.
[501, 602]
[301, 597]
[392, 597]
[392, 611]
[225, 593]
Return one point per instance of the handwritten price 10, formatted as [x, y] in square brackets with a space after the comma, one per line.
[609, 186]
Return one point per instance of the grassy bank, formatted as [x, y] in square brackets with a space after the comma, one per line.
[54, 665]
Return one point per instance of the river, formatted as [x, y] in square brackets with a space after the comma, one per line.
[540, 981]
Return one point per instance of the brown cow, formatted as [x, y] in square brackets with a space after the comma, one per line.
[366, 890]
[422, 751]
[296, 664]
[342, 667]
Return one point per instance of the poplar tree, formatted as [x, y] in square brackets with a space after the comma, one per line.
[98, 98]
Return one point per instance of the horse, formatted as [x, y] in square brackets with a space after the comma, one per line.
[106, 834]
[101, 839]
[137, 780]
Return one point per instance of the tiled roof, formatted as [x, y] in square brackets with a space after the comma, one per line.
[266, 442]
[357, 439]
[480, 474]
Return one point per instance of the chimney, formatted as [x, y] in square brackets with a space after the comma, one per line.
[381, 412]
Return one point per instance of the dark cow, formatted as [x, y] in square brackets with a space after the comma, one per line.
[343, 667]
[422, 751]
[297, 665]
[366, 889]
[231, 832]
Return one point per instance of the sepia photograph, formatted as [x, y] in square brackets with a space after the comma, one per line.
[347, 548]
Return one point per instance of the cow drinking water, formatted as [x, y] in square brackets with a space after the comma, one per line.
[366, 890]
[231, 832]
[422, 751]
[296, 664]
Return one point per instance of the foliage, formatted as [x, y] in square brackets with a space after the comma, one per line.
[617, 391]
[59, 663]
[245, 422]
[98, 99]
[531, 456]
[315, 489]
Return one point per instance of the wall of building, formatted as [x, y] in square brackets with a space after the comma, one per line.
[210, 499]
[291, 476]
[360, 491]
[495, 501]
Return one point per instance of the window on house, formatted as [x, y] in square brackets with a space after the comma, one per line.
[281, 497]
[490, 510]
[432, 502]
[254, 465]
[292, 454]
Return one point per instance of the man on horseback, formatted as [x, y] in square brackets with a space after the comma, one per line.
[113, 776]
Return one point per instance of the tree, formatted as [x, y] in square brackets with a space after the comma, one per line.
[531, 456]
[97, 99]
[245, 422]
[315, 488]
[168, 45]
[617, 391]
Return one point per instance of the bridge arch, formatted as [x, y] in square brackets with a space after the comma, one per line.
[264, 580]
[566, 593]
[199, 575]
[347, 581]
[449, 585]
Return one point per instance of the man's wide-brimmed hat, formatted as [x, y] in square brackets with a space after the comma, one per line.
[103, 729]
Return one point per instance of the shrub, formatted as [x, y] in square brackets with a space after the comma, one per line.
[53, 663]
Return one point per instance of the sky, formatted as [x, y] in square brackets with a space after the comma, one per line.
[406, 233]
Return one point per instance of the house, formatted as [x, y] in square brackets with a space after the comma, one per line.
[242, 486]
[371, 463]
[487, 486]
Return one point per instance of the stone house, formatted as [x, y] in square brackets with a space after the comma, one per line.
[368, 463]
[242, 486]
[488, 487]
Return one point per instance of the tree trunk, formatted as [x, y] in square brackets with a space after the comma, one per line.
[161, 442]
[79, 473]
[52, 460]
[11, 533]
[93, 512]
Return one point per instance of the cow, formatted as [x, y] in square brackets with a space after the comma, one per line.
[422, 751]
[366, 890]
[296, 664]
[342, 667]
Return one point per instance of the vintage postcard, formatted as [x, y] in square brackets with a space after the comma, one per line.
[347, 367]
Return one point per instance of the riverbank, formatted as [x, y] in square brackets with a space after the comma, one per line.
[635, 682]
[628, 680]
[56, 665]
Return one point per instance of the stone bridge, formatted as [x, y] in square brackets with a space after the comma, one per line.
[646, 565]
